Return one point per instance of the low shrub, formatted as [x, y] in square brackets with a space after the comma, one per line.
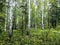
[37, 37]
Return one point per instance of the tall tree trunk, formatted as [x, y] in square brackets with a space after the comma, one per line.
[29, 17]
[42, 14]
[10, 19]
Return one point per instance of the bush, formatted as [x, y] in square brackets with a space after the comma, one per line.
[37, 37]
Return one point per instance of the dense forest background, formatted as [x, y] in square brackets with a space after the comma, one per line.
[29, 22]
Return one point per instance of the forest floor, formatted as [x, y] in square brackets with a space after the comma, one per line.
[37, 37]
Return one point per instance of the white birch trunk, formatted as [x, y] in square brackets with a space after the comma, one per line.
[42, 14]
[10, 17]
[29, 15]
[6, 19]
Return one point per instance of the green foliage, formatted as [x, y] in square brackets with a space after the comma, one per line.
[53, 16]
[2, 5]
[2, 22]
[2, 15]
[37, 37]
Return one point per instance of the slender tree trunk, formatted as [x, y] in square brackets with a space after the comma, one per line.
[10, 19]
[42, 14]
[29, 17]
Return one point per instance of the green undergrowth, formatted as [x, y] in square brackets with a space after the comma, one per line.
[36, 37]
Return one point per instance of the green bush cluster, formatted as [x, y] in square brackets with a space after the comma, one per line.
[43, 38]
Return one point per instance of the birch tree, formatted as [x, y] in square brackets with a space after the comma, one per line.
[29, 17]
[10, 19]
[42, 14]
